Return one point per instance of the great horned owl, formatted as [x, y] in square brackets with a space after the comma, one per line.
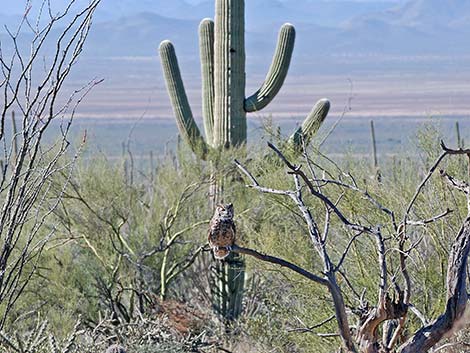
[222, 231]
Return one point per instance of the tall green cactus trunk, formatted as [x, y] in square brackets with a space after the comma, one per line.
[227, 277]
[227, 286]
[229, 73]
[224, 106]
[229, 130]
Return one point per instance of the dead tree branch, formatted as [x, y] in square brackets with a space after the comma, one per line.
[457, 298]
[280, 262]
[389, 307]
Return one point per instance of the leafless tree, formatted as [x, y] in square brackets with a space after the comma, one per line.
[32, 84]
[394, 295]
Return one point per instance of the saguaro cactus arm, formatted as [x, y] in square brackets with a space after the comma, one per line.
[206, 40]
[277, 72]
[184, 117]
[310, 126]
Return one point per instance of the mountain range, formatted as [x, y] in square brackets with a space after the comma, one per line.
[323, 12]
[325, 28]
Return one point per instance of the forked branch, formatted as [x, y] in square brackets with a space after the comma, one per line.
[389, 307]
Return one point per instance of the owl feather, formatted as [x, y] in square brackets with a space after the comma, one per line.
[222, 231]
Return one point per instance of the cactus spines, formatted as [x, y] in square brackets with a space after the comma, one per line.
[222, 49]
[302, 136]
[206, 40]
[230, 125]
[277, 72]
[184, 117]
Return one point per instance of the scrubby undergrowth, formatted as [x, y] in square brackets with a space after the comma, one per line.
[128, 255]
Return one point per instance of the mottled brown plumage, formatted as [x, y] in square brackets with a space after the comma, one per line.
[222, 231]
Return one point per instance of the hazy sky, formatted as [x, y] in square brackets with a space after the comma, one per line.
[199, 1]
[17, 6]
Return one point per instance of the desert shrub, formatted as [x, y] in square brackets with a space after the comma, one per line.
[96, 265]
[307, 304]
[144, 335]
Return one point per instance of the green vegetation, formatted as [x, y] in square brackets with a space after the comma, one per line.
[111, 255]
[222, 49]
[128, 250]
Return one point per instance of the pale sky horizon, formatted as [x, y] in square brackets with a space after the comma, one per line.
[11, 7]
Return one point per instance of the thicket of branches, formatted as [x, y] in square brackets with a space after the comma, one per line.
[123, 251]
[121, 241]
[379, 327]
[32, 84]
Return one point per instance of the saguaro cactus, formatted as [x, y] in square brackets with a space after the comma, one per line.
[222, 49]
[224, 106]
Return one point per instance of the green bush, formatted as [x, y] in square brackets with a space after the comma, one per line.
[97, 265]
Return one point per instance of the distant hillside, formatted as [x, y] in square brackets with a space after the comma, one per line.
[140, 35]
[263, 13]
[419, 27]
[416, 27]
[429, 14]
[11, 21]
[361, 31]
[258, 12]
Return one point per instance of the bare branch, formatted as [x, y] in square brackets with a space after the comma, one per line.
[423, 183]
[311, 328]
[454, 151]
[346, 251]
[457, 298]
[316, 238]
[280, 262]
[296, 170]
[430, 220]
[364, 193]
[29, 163]
[455, 183]
[418, 314]
[255, 184]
